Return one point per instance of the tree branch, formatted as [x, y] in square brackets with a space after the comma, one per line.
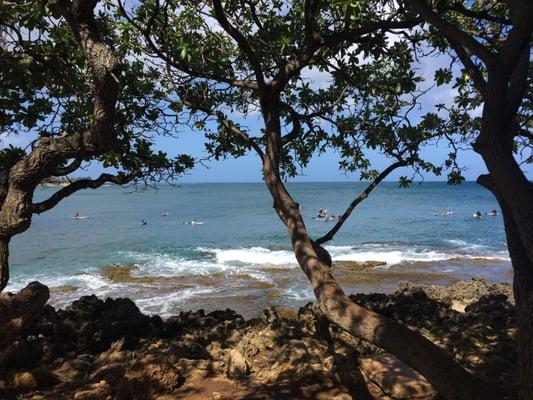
[472, 69]
[348, 35]
[227, 123]
[519, 36]
[53, 200]
[73, 166]
[461, 9]
[363, 195]
[241, 41]
[240, 83]
[296, 128]
[453, 33]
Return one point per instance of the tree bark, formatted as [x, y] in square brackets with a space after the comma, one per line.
[450, 379]
[515, 196]
[523, 291]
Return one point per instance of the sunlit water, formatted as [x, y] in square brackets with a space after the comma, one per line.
[240, 257]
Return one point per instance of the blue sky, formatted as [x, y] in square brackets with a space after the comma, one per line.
[323, 168]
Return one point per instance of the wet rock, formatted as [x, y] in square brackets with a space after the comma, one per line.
[63, 289]
[395, 378]
[358, 266]
[465, 292]
[123, 274]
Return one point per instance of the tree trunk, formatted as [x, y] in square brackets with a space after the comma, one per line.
[514, 193]
[449, 378]
[4, 263]
[523, 291]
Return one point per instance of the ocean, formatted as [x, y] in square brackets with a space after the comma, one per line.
[240, 256]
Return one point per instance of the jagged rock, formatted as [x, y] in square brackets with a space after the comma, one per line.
[143, 357]
[72, 370]
[45, 378]
[146, 378]
[111, 373]
[94, 391]
[465, 292]
[237, 366]
[395, 378]
[23, 382]
[26, 381]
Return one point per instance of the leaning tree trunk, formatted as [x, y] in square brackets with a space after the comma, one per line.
[449, 378]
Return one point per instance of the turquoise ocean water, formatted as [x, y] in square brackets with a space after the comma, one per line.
[240, 256]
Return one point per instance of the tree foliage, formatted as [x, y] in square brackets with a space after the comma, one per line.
[357, 94]
[46, 89]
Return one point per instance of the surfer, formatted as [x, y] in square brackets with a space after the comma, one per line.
[494, 212]
[78, 216]
[143, 222]
[193, 222]
[164, 213]
[477, 214]
[322, 213]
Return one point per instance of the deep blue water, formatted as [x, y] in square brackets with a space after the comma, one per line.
[242, 234]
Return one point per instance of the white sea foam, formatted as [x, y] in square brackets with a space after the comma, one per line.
[165, 304]
[171, 265]
[391, 257]
[299, 294]
[251, 260]
[92, 281]
[252, 255]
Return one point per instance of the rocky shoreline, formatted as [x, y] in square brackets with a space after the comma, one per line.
[96, 349]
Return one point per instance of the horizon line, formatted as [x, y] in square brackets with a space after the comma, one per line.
[348, 182]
